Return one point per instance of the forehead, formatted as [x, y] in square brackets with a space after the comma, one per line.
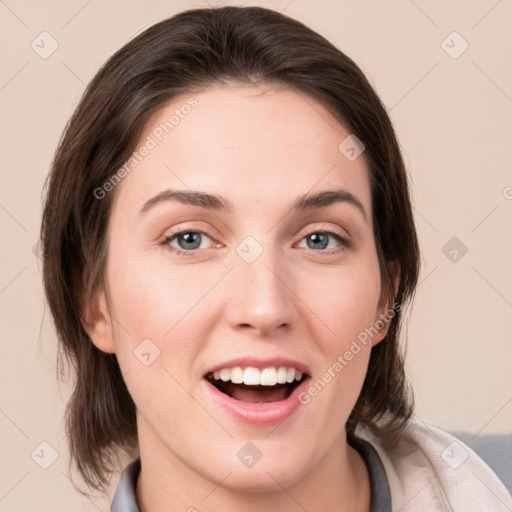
[247, 140]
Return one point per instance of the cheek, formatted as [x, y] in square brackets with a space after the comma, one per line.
[165, 311]
[344, 299]
[346, 309]
[160, 318]
[155, 300]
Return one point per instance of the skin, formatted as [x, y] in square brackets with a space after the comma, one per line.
[260, 148]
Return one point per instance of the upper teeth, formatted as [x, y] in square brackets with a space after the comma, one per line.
[255, 377]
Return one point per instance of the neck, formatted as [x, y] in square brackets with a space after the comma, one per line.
[338, 483]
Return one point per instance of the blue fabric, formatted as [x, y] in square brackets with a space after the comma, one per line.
[124, 498]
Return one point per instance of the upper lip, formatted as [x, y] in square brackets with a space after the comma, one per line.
[256, 362]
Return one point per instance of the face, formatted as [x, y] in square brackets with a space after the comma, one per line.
[239, 315]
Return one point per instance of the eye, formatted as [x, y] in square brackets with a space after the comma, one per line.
[188, 241]
[319, 240]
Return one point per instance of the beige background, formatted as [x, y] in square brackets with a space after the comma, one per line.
[453, 118]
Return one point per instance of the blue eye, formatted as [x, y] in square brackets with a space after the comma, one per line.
[189, 241]
[319, 240]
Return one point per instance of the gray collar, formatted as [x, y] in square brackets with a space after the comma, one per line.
[124, 498]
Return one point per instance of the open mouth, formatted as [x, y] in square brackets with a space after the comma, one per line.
[251, 385]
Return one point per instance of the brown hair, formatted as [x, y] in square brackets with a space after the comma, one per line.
[189, 52]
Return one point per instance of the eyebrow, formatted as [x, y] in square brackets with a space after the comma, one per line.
[218, 203]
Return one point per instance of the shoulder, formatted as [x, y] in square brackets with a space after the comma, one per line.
[430, 470]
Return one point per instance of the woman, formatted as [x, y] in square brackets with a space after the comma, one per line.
[228, 244]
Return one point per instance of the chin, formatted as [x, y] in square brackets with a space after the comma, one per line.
[267, 472]
[265, 479]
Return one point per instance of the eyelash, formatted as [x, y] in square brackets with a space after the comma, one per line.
[344, 242]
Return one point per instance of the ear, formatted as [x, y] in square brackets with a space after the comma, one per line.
[97, 322]
[385, 311]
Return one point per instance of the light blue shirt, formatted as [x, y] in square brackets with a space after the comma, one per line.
[124, 499]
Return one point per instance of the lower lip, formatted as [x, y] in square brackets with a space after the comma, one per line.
[261, 414]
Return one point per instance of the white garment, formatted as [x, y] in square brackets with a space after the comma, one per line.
[429, 470]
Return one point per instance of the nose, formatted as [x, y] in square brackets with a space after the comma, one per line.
[261, 297]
